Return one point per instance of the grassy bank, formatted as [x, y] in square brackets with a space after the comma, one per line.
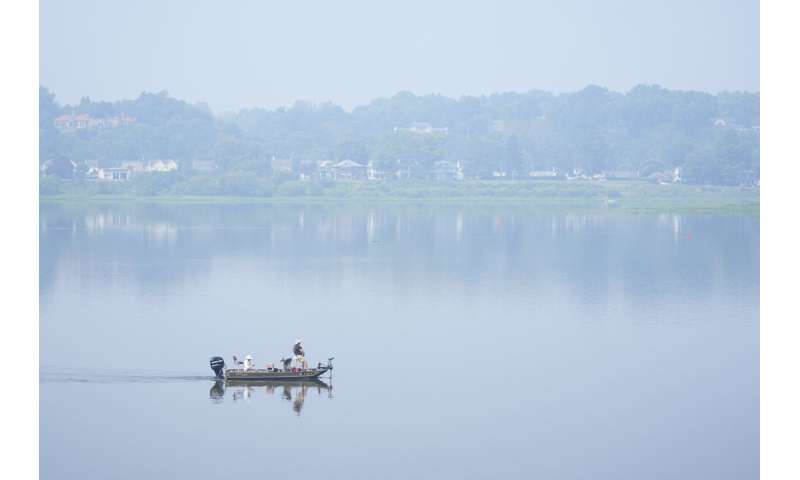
[629, 196]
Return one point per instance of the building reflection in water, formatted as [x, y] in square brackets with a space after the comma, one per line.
[294, 392]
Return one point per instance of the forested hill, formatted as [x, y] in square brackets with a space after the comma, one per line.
[712, 138]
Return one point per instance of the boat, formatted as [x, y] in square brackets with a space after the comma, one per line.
[272, 374]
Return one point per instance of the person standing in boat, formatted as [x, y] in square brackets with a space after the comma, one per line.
[299, 354]
[298, 349]
[249, 364]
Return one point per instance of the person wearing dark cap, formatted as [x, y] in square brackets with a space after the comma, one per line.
[299, 354]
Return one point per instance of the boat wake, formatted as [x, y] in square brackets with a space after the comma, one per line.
[116, 376]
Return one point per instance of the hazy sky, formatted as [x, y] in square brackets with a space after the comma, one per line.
[269, 53]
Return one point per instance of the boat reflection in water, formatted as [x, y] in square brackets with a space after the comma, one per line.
[291, 391]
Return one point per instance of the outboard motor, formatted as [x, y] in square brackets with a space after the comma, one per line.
[287, 362]
[218, 365]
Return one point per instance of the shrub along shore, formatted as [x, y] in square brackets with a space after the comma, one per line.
[621, 195]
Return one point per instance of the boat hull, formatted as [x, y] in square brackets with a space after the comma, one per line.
[274, 375]
[314, 382]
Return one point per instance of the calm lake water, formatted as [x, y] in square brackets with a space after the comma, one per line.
[470, 342]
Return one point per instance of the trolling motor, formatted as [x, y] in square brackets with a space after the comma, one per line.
[218, 365]
[329, 366]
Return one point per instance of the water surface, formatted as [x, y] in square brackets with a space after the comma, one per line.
[470, 342]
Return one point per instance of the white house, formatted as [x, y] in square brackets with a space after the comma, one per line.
[543, 173]
[161, 166]
[116, 174]
[133, 165]
[374, 174]
[326, 170]
[349, 170]
[422, 128]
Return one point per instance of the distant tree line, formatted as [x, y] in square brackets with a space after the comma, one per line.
[713, 139]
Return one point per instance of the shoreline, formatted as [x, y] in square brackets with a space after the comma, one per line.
[591, 195]
[688, 205]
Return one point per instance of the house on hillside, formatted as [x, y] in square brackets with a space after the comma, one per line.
[135, 166]
[577, 174]
[543, 174]
[307, 169]
[161, 165]
[325, 170]
[349, 170]
[115, 174]
[375, 174]
[666, 177]
[84, 120]
[72, 122]
[158, 165]
[422, 128]
[446, 171]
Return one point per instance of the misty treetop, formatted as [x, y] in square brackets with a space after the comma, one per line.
[711, 138]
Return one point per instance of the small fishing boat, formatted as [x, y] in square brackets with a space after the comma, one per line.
[287, 373]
